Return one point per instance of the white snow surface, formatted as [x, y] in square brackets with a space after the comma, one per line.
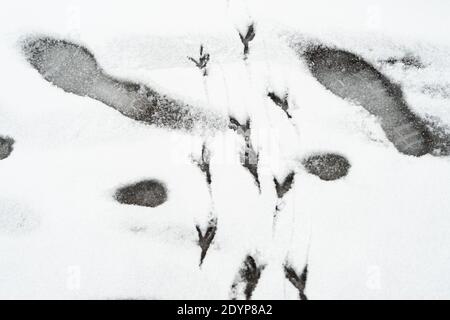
[381, 232]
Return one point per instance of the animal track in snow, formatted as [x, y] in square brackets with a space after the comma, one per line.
[282, 188]
[146, 193]
[204, 165]
[6, 147]
[350, 77]
[249, 157]
[74, 69]
[298, 281]
[441, 137]
[408, 61]
[247, 279]
[247, 38]
[15, 218]
[202, 62]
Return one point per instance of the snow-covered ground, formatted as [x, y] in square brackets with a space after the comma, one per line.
[381, 232]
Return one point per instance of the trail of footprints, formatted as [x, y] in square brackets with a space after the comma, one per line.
[74, 69]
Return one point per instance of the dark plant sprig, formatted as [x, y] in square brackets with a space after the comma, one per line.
[282, 102]
[245, 39]
[202, 62]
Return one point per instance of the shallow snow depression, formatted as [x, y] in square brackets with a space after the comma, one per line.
[221, 157]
